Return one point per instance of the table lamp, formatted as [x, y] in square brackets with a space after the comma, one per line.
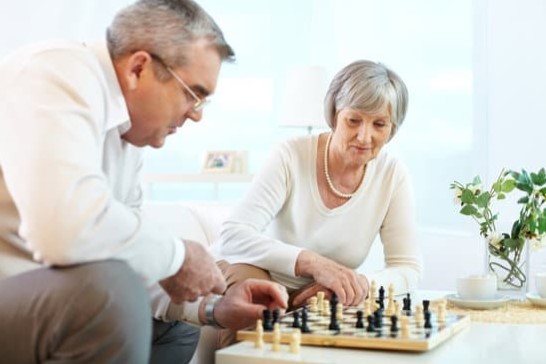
[304, 91]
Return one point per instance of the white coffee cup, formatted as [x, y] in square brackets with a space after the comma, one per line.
[478, 286]
[540, 283]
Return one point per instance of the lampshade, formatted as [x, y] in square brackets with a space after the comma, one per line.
[304, 92]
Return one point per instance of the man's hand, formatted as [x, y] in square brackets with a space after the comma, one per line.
[350, 287]
[198, 276]
[244, 303]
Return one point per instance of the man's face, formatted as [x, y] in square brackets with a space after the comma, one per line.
[157, 109]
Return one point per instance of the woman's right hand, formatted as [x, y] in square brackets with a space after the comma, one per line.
[351, 288]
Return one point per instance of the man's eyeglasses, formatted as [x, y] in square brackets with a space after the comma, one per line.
[200, 103]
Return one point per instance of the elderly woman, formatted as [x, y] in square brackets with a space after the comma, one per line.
[314, 210]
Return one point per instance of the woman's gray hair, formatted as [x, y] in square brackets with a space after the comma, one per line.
[369, 87]
[165, 29]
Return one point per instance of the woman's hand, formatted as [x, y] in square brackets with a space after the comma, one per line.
[350, 287]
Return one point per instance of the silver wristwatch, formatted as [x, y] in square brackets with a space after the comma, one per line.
[209, 312]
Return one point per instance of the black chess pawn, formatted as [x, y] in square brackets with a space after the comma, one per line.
[426, 304]
[359, 319]
[267, 321]
[406, 301]
[296, 323]
[334, 324]
[381, 299]
[304, 317]
[371, 324]
[276, 316]
[378, 318]
[394, 324]
[428, 324]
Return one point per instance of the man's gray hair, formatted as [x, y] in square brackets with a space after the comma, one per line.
[165, 29]
[369, 87]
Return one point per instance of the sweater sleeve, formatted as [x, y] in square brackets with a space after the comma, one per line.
[243, 235]
[402, 254]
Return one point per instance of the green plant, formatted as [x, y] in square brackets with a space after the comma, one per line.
[528, 228]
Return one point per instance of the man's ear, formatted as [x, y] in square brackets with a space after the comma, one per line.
[137, 66]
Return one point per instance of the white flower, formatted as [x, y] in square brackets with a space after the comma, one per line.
[475, 188]
[537, 243]
[495, 239]
[457, 198]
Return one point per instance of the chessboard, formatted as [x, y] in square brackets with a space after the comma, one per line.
[412, 329]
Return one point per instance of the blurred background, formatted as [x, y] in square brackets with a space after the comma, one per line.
[476, 73]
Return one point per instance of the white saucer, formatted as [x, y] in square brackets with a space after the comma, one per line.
[497, 301]
[536, 299]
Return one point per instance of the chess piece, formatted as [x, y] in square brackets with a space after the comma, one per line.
[296, 323]
[334, 324]
[295, 341]
[367, 310]
[372, 291]
[407, 304]
[339, 312]
[381, 299]
[394, 325]
[428, 323]
[304, 317]
[371, 324]
[320, 299]
[325, 307]
[259, 343]
[419, 315]
[276, 316]
[404, 327]
[390, 305]
[313, 304]
[426, 304]
[397, 308]
[378, 318]
[441, 312]
[267, 323]
[276, 343]
[359, 319]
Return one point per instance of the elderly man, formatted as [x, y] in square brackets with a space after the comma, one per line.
[76, 252]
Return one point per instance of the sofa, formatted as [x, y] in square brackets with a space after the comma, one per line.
[198, 221]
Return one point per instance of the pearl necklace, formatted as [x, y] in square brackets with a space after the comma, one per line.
[327, 175]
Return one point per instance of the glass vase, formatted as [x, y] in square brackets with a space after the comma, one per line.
[512, 271]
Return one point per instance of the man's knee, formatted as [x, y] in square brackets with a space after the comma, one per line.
[173, 342]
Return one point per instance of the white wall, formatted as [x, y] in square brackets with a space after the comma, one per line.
[510, 114]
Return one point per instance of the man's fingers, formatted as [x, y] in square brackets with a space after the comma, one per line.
[276, 292]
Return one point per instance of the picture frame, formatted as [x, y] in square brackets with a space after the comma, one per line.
[219, 161]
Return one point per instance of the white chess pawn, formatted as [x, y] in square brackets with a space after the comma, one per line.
[313, 304]
[404, 327]
[320, 298]
[367, 311]
[419, 315]
[259, 343]
[295, 341]
[339, 312]
[276, 343]
[372, 292]
[442, 312]
[390, 305]
[397, 308]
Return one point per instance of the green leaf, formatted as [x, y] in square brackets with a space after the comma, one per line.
[476, 181]
[541, 225]
[467, 196]
[510, 243]
[524, 200]
[538, 179]
[501, 196]
[508, 185]
[497, 186]
[483, 199]
[468, 210]
[526, 187]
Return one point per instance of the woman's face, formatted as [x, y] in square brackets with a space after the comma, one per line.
[359, 136]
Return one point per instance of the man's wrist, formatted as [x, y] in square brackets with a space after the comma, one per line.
[210, 320]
